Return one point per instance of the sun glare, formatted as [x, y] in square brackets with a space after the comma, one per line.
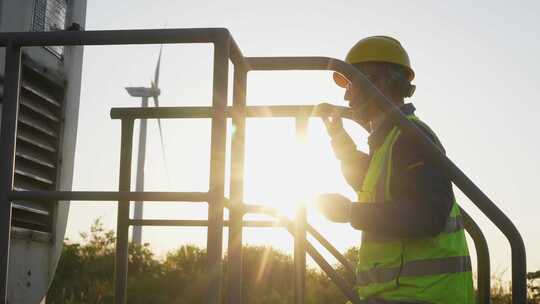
[283, 171]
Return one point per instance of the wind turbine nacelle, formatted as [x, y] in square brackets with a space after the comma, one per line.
[143, 92]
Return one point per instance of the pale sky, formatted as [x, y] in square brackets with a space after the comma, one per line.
[477, 86]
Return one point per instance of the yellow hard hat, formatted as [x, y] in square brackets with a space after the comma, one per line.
[376, 49]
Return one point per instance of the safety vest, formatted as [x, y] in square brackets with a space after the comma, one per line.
[419, 270]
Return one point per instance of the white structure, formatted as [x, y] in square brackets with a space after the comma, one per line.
[144, 93]
[47, 128]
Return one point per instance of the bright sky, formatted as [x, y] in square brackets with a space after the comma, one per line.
[477, 84]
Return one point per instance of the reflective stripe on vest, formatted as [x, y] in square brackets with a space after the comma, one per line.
[414, 269]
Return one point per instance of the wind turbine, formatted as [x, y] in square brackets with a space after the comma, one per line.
[145, 93]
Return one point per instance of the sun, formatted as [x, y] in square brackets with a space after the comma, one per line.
[284, 171]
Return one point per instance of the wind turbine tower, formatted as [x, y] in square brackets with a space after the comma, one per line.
[145, 93]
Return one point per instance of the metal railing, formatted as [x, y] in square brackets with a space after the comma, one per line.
[225, 49]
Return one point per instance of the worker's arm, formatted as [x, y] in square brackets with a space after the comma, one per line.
[354, 163]
[423, 197]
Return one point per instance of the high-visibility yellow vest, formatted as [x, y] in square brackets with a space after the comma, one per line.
[419, 270]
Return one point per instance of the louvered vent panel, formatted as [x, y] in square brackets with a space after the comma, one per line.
[38, 141]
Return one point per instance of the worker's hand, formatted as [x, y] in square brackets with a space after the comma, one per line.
[335, 207]
[331, 118]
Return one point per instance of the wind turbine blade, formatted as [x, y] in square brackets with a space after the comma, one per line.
[156, 103]
[156, 73]
[163, 155]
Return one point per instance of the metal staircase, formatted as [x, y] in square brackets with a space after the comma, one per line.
[225, 50]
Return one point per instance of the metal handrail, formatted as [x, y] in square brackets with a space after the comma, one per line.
[280, 221]
[349, 269]
[311, 111]
[480, 242]
[194, 112]
[224, 49]
[482, 257]
[49, 196]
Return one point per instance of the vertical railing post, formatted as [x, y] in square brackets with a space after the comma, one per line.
[236, 211]
[122, 226]
[8, 139]
[217, 168]
[300, 226]
[482, 258]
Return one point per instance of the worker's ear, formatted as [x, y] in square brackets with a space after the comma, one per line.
[409, 90]
[399, 82]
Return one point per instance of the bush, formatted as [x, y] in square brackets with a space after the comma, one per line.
[85, 275]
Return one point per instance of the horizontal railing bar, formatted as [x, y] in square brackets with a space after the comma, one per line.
[261, 209]
[206, 112]
[202, 223]
[291, 63]
[51, 196]
[114, 37]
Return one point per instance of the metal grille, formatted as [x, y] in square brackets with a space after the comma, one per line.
[38, 141]
[50, 15]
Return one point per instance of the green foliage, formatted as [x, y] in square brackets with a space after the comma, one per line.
[184, 280]
[500, 292]
[85, 275]
[534, 287]
[266, 276]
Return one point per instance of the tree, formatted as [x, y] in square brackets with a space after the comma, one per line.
[534, 288]
[85, 275]
[85, 272]
[184, 278]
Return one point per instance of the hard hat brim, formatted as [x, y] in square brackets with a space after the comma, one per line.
[340, 80]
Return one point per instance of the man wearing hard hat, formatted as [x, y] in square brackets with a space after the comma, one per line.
[413, 243]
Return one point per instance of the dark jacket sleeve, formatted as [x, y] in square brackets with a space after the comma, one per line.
[422, 197]
[353, 162]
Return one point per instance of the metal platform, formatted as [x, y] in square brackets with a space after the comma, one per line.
[225, 50]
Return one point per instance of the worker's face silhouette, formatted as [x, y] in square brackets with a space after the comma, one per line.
[366, 110]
